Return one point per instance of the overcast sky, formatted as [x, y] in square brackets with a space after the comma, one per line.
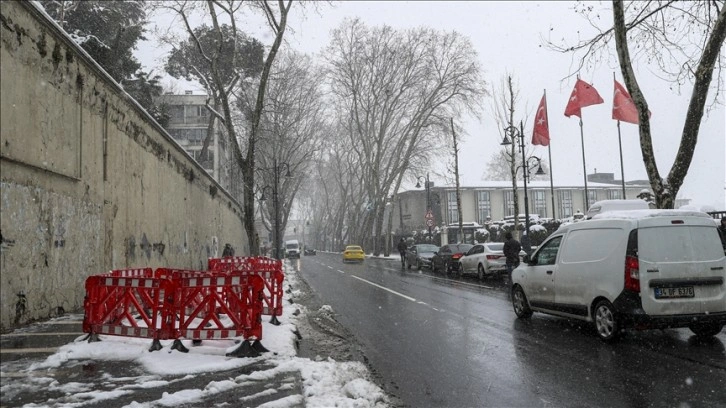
[508, 39]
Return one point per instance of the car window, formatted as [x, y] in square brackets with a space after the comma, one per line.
[445, 250]
[547, 254]
[496, 246]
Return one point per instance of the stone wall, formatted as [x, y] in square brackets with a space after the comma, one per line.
[88, 181]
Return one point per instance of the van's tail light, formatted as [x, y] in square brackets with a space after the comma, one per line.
[632, 274]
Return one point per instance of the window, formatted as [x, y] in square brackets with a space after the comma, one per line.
[615, 195]
[194, 136]
[591, 198]
[484, 206]
[508, 203]
[453, 209]
[547, 254]
[565, 203]
[540, 203]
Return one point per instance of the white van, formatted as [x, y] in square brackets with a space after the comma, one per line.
[629, 269]
[292, 248]
[603, 206]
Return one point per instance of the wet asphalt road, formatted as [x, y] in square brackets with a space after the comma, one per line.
[439, 342]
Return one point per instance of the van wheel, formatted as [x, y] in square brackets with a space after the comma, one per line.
[519, 301]
[706, 329]
[606, 323]
[480, 272]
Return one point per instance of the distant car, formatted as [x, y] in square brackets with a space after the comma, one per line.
[309, 251]
[484, 260]
[353, 253]
[420, 255]
[447, 258]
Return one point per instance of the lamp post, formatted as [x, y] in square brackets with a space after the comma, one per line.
[276, 168]
[517, 135]
[429, 214]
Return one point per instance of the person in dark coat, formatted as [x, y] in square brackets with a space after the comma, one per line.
[511, 252]
[722, 232]
[402, 247]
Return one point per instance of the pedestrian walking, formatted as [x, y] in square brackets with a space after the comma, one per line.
[511, 249]
[402, 247]
[722, 232]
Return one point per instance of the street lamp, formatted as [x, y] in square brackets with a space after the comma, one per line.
[518, 135]
[429, 213]
[276, 168]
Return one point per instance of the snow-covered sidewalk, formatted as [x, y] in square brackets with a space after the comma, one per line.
[204, 376]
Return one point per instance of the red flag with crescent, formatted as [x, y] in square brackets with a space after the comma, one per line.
[541, 133]
[582, 95]
[623, 107]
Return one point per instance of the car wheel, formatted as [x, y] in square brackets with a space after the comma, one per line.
[606, 322]
[519, 302]
[706, 329]
[480, 272]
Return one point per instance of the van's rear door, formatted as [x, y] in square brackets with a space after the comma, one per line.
[682, 266]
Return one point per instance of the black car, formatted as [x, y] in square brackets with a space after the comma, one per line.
[447, 258]
[309, 251]
[420, 255]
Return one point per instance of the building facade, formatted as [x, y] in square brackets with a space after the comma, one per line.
[495, 199]
[189, 124]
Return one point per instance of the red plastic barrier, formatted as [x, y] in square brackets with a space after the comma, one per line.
[131, 305]
[267, 268]
[173, 303]
[235, 297]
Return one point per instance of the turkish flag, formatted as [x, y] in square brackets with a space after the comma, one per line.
[582, 95]
[541, 133]
[623, 107]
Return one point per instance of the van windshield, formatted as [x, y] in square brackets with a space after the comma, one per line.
[291, 246]
[681, 244]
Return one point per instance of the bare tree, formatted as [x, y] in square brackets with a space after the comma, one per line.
[275, 13]
[393, 88]
[455, 148]
[292, 131]
[684, 40]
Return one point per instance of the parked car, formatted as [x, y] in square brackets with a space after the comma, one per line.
[447, 258]
[353, 253]
[420, 255]
[485, 260]
[638, 268]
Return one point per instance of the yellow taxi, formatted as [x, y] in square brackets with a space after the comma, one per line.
[353, 253]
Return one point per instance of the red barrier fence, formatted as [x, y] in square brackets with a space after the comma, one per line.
[267, 268]
[174, 304]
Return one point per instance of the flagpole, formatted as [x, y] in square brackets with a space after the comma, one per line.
[620, 144]
[584, 167]
[622, 171]
[549, 153]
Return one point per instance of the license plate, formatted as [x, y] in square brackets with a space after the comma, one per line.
[681, 292]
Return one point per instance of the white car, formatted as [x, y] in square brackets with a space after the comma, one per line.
[638, 268]
[484, 260]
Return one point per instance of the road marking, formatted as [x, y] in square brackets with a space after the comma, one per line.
[330, 267]
[385, 288]
[340, 271]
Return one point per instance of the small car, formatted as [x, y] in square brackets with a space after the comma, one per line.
[447, 258]
[484, 260]
[353, 253]
[420, 255]
[309, 251]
